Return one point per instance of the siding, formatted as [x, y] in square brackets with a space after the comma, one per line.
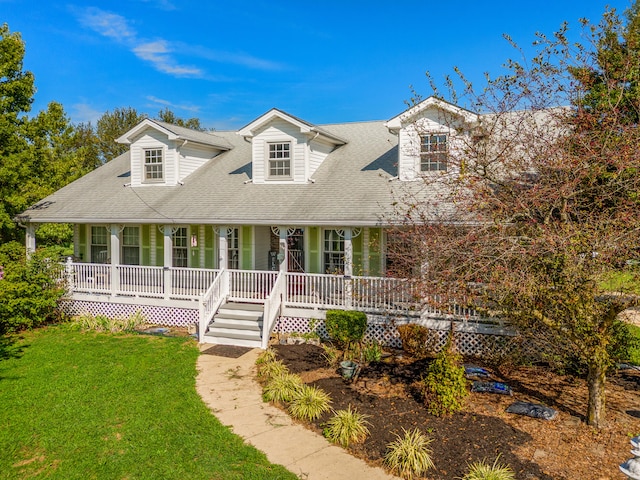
[318, 152]
[151, 138]
[192, 157]
[262, 236]
[279, 131]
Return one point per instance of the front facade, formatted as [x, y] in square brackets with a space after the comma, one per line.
[278, 195]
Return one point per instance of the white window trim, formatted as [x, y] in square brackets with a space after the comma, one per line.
[325, 267]
[90, 243]
[424, 155]
[267, 160]
[122, 245]
[143, 154]
[188, 237]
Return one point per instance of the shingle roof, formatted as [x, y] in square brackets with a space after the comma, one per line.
[351, 187]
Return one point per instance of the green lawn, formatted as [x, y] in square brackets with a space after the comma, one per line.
[96, 406]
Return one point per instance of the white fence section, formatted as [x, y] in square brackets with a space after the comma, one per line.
[186, 282]
[140, 281]
[272, 307]
[211, 301]
[89, 278]
[250, 285]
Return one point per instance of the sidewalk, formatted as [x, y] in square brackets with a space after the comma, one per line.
[228, 387]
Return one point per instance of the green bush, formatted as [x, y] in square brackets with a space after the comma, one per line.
[309, 403]
[372, 352]
[346, 326]
[346, 427]
[410, 455]
[282, 388]
[445, 385]
[271, 369]
[29, 288]
[484, 471]
[417, 340]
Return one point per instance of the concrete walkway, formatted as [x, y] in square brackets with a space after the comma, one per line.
[228, 387]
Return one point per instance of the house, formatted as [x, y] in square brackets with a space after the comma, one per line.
[283, 214]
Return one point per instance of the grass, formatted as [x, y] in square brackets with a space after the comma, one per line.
[91, 406]
[634, 351]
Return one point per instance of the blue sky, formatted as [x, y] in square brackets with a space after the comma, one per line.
[227, 62]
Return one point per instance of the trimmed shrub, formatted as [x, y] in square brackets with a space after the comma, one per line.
[282, 388]
[445, 385]
[410, 455]
[417, 340]
[346, 326]
[309, 403]
[346, 427]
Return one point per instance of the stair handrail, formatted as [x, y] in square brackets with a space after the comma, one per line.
[272, 306]
[211, 300]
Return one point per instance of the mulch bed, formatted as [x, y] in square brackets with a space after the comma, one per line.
[564, 448]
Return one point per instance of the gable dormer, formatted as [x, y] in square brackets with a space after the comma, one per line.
[165, 154]
[285, 149]
[426, 133]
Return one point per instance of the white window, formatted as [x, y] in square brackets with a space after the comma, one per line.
[333, 251]
[153, 169]
[233, 249]
[99, 242]
[280, 160]
[433, 152]
[180, 240]
[130, 246]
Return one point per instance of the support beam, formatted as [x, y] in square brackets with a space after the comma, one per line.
[30, 239]
[348, 269]
[168, 259]
[283, 249]
[115, 258]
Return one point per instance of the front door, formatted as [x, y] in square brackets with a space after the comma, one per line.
[295, 244]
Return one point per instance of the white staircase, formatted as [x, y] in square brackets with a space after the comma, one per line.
[238, 324]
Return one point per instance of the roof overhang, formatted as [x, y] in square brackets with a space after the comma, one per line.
[127, 138]
[411, 114]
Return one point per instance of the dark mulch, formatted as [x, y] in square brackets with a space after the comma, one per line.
[228, 351]
[536, 449]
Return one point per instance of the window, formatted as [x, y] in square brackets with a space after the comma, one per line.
[333, 251]
[153, 171]
[99, 250]
[433, 153]
[131, 246]
[179, 239]
[280, 159]
[233, 249]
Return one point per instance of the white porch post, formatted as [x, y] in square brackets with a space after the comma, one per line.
[223, 248]
[348, 268]
[115, 258]
[283, 250]
[366, 267]
[76, 240]
[30, 239]
[168, 259]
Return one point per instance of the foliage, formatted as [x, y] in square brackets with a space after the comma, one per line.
[168, 116]
[546, 198]
[102, 323]
[347, 427]
[282, 388]
[346, 326]
[266, 356]
[417, 340]
[410, 455]
[331, 354]
[309, 403]
[634, 350]
[372, 351]
[445, 385]
[270, 369]
[484, 471]
[29, 288]
[109, 127]
[77, 405]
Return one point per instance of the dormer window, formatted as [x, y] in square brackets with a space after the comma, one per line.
[280, 160]
[153, 165]
[433, 152]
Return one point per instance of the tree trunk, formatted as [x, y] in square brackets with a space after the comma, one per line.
[596, 379]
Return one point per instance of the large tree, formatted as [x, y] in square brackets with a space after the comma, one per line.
[546, 193]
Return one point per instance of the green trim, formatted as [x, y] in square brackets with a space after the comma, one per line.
[209, 247]
[194, 252]
[315, 255]
[247, 247]
[159, 247]
[82, 242]
[145, 241]
[375, 251]
[356, 244]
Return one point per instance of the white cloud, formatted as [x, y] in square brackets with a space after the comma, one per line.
[157, 53]
[84, 113]
[166, 103]
[107, 24]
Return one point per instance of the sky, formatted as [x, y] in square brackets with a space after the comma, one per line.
[228, 62]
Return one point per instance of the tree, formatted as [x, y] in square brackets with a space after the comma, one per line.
[545, 189]
[168, 116]
[112, 125]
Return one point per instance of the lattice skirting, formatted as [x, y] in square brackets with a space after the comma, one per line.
[166, 316]
[383, 330]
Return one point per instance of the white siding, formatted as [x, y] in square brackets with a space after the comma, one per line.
[318, 152]
[262, 238]
[151, 138]
[192, 157]
[279, 131]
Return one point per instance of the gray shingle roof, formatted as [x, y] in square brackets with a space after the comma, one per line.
[352, 187]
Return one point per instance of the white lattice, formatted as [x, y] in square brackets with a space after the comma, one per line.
[167, 316]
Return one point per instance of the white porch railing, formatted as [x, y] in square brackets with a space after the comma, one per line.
[211, 301]
[272, 306]
[140, 281]
[250, 285]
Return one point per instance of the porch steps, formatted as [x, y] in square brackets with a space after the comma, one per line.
[238, 324]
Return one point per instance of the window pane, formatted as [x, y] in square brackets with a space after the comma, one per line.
[280, 159]
[153, 164]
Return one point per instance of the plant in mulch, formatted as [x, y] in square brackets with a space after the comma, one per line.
[282, 388]
[346, 427]
[331, 354]
[309, 403]
[266, 356]
[484, 471]
[417, 340]
[410, 455]
[445, 386]
[371, 352]
[271, 369]
[346, 326]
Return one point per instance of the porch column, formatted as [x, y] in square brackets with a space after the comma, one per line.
[366, 267]
[168, 259]
[223, 248]
[115, 258]
[348, 268]
[76, 241]
[30, 239]
[283, 250]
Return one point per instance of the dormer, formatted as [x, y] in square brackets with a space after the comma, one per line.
[426, 133]
[165, 154]
[285, 149]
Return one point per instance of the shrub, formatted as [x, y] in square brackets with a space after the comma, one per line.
[102, 323]
[409, 456]
[345, 326]
[417, 340]
[282, 388]
[29, 289]
[372, 352]
[266, 356]
[268, 370]
[346, 427]
[309, 403]
[445, 385]
[331, 355]
[484, 471]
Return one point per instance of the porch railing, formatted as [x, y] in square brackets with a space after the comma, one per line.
[250, 285]
[211, 301]
[272, 307]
